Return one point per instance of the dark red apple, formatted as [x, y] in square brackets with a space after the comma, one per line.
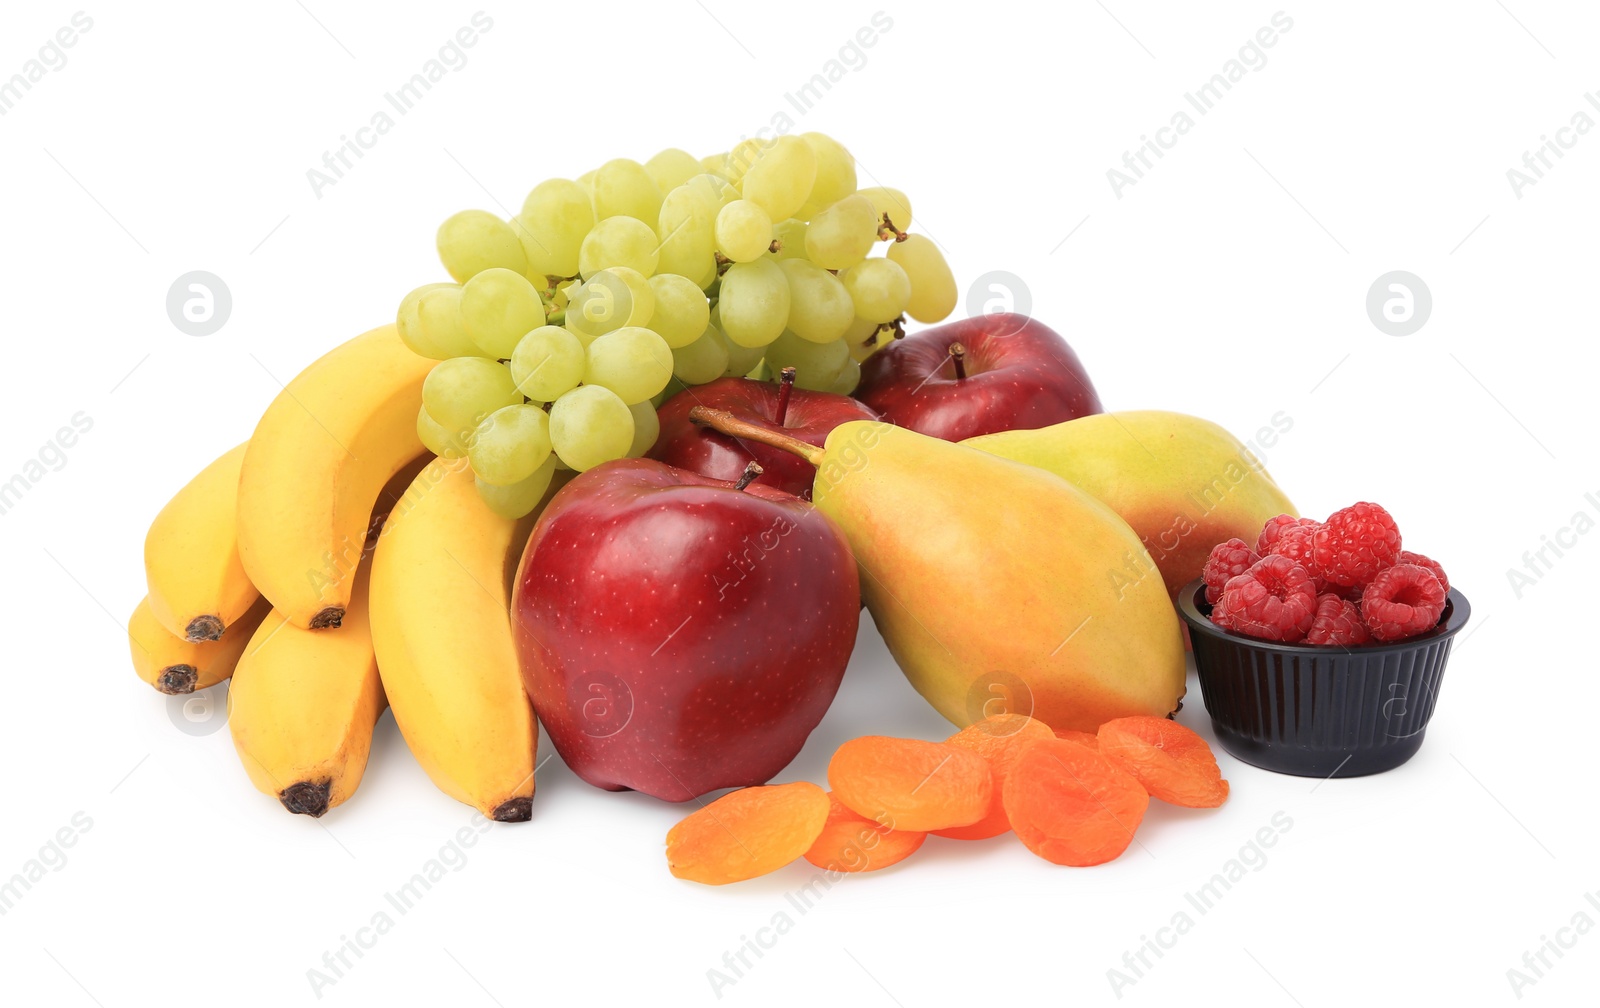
[978, 376]
[798, 413]
[679, 634]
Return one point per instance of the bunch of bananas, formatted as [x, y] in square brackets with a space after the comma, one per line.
[331, 567]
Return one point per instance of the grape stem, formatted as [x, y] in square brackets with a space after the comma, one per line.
[958, 355]
[786, 376]
[733, 426]
[751, 471]
[888, 230]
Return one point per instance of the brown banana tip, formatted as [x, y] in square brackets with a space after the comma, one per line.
[328, 619]
[306, 797]
[203, 628]
[513, 810]
[175, 680]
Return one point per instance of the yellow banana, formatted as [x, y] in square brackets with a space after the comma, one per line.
[197, 584]
[302, 706]
[441, 625]
[174, 665]
[315, 464]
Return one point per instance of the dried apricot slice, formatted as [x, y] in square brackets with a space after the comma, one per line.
[1087, 738]
[747, 833]
[997, 739]
[1171, 761]
[909, 784]
[1070, 805]
[852, 843]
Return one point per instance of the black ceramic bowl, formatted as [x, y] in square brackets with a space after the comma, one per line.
[1319, 711]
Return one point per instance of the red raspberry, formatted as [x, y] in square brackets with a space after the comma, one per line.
[1408, 557]
[1273, 600]
[1337, 623]
[1274, 528]
[1402, 601]
[1355, 543]
[1296, 542]
[1227, 560]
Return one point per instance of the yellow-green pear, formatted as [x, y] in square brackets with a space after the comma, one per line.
[1184, 484]
[998, 587]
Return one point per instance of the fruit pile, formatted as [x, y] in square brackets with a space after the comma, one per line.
[1339, 583]
[566, 324]
[1071, 797]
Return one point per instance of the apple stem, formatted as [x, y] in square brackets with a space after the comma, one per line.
[751, 471]
[733, 426]
[958, 355]
[786, 376]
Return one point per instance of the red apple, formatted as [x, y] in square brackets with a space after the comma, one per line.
[796, 412]
[978, 376]
[679, 634]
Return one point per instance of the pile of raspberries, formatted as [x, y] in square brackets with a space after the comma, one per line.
[1341, 583]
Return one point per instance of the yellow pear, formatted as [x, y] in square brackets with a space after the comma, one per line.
[1184, 484]
[998, 587]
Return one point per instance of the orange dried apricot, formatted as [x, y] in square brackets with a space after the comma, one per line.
[747, 833]
[909, 784]
[1087, 738]
[1171, 761]
[997, 739]
[852, 843]
[1070, 805]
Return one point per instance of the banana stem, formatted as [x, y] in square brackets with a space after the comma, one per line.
[733, 426]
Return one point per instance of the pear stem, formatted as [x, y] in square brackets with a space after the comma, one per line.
[958, 355]
[786, 376]
[733, 426]
[751, 471]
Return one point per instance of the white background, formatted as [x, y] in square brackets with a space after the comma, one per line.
[1229, 282]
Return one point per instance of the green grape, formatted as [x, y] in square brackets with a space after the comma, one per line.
[879, 289]
[761, 372]
[744, 231]
[475, 240]
[866, 338]
[933, 286]
[633, 362]
[429, 322]
[590, 425]
[849, 378]
[510, 444]
[672, 167]
[498, 308]
[742, 157]
[891, 202]
[740, 359]
[703, 360]
[819, 307]
[438, 439]
[714, 191]
[753, 303]
[836, 174]
[688, 241]
[816, 365]
[519, 499]
[611, 299]
[791, 238]
[646, 428]
[619, 241]
[548, 362]
[622, 188]
[461, 391]
[781, 178]
[715, 164]
[681, 312]
[843, 234]
[555, 218]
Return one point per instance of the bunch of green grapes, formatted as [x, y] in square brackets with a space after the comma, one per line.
[566, 326]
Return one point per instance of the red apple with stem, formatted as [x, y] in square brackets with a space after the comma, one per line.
[978, 376]
[679, 634]
[781, 407]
